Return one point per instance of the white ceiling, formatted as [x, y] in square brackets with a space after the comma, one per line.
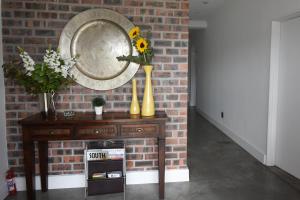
[201, 8]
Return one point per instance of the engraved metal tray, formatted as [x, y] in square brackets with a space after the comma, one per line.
[98, 36]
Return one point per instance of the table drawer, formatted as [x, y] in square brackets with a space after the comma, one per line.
[49, 132]
[133, 130]
[92, 132]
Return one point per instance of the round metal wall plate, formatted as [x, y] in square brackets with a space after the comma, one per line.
[98, 36]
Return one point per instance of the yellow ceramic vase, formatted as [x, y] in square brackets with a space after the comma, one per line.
[148, 101]
[134, 107]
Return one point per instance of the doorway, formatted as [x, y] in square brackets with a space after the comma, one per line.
[284, 123]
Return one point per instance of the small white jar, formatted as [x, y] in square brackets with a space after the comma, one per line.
[98, 110]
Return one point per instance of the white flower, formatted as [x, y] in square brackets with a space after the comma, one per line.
[52, 59]
[28, 62]
[65, 69]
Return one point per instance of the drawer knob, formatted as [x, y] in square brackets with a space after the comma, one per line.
[97, 131]
[140, 130]
[51, 132]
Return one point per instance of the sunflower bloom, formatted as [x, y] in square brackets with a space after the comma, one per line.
[134, 32]
[141, 45]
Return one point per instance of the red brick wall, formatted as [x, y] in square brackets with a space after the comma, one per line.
[34, 25]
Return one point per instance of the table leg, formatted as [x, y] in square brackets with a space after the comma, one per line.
[161, 163]
[43, 162]
[29, 167]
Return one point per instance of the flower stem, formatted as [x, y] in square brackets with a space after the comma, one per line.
[145, 58]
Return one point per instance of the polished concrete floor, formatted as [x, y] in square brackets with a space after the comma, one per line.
[219, 170]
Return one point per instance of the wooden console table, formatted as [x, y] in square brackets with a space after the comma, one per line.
[86, 126]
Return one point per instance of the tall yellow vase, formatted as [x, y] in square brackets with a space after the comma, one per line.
[148, 101]
[134, 107]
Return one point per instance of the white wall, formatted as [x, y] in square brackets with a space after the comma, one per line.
[3, 147]
[288, 126]
[192, 67]
[233, 75]
[195, 47]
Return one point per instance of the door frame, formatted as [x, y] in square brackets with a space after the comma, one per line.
[270, 159]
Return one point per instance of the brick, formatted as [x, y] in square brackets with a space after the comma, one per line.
[171, 155]
[58, 7]
[154, 4]
[157, 20]
[15, 106]
[34, 41]
[172, 5]
[79, 8]
[73, 159]
[135, 142]
[78, 151]
[56, 24]
[66, 16]
[112, 2]
[21, 32]
[12, 40]
[69, 1]
[172, 51]
[185, 5]
[180, 74]
[129, 149]
[143, 163]
[35, 6]
[181, 44]
[60, 167]
[6, 14]
[56, 152]
[163, 43]
[180, 59]
[161, 59]
[44, 33]
[180, 13]
[11, 22]
[134, 156]
[91, 1]
[73, 144]
[153, 156]
[130, 164]
[180, 28]
[55, 160]
[143, 149]
[134, 3]
[11, 5]
[170, 67]
[146, 12]
[158, 51]
[78, 166]
[24, 14]
[81, 106]
[172, 97]
[179, 148]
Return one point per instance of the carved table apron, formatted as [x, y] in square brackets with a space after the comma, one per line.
[87, 126]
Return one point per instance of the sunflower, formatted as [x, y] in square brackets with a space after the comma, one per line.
[141, 45]
[134, 32]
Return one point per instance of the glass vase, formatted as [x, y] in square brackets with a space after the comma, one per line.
[47, 104]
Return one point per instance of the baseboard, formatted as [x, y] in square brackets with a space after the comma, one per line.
[3, 190]
[255, 152]
[78, 180]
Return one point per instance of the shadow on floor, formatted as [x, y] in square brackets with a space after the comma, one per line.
[219, 170]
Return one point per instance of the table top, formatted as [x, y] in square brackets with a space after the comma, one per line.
[82, 117]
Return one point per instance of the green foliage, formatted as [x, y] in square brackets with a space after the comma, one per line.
[43, 79]
[98, 101]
